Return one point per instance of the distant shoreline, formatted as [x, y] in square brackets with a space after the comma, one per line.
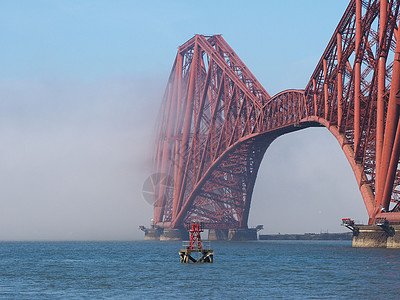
[308, 236]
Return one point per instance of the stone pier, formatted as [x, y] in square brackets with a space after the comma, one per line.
[242, 234]
[377, 236]
[239, 234]
[217, 234]
[174, 234]
[152, 234]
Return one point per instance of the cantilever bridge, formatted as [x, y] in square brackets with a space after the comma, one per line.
[217, 120]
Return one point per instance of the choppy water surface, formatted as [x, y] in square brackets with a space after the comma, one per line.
[250, 270]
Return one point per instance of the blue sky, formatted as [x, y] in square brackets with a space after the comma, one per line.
[80, 87]
[101, 39]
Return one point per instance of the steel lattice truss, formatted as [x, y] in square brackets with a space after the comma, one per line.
[217, 120]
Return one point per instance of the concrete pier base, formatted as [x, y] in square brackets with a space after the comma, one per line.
[242, 234]
[370, 236]
[377, 236]
[151, 234]
[217, 234]
[174, 234]
[394, 241]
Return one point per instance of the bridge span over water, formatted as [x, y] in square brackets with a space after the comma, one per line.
[217, 120]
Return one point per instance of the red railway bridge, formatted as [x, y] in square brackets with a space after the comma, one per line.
[217, 120]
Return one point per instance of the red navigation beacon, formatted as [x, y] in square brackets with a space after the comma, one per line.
[196, 246]
[195, 236]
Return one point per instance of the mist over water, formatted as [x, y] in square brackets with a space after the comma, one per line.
[74, 158]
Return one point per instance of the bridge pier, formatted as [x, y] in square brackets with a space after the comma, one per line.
[238, 234]
[217, 234]
[242, 234]
[152, 234]
[377, 236]
[174, 234]
[165, 234]
[394, 241]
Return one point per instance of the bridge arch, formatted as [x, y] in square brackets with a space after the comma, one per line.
[305, 179]
[243, 159]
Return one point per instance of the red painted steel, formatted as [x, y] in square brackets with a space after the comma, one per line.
[217, 120]
[195, 236]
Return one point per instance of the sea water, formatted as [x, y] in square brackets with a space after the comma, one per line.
[241, 270]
